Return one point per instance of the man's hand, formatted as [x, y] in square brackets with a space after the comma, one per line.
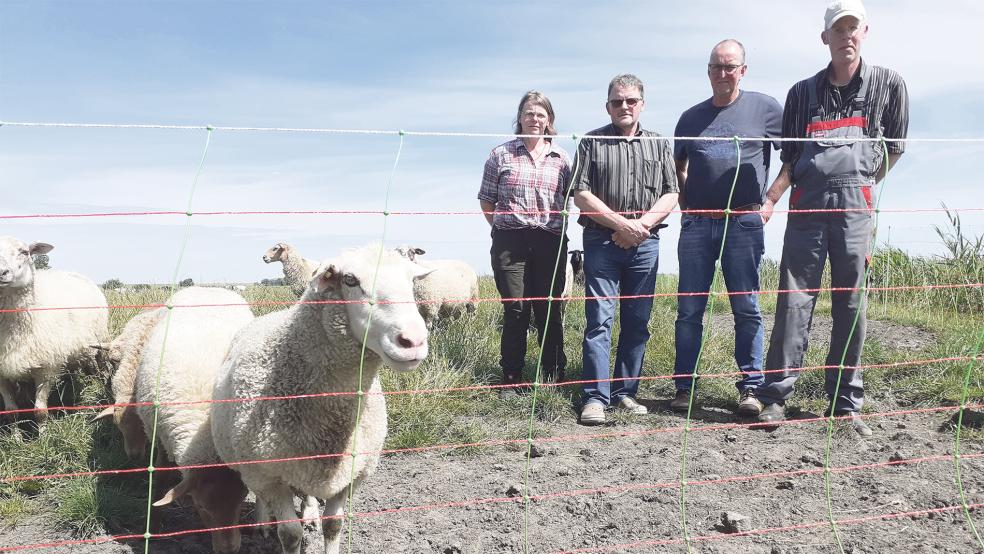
[632, 233]
[765, 212]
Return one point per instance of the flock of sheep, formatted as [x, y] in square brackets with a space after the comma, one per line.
[204, 357]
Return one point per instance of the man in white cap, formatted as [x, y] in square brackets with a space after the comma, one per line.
[847, 100]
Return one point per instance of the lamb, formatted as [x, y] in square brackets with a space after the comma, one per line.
[316, 348]
[124, 354]
[36, 345]
[574, 273]
[297, 269]
[450, 290]
[179, 364]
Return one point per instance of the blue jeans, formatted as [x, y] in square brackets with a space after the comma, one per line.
[700, 244]
[609, 271]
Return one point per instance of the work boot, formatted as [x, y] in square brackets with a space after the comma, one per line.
[856, 422]
[772, 414]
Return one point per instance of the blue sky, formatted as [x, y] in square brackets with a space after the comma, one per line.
[421, 66]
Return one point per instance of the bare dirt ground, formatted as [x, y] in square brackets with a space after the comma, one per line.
[616, 487]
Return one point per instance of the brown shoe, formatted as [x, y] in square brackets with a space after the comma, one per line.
[681, 402]
[749, 405]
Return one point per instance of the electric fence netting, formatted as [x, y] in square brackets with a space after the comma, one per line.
[466, 471]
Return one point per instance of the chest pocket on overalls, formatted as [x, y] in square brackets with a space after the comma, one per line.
[837, 158]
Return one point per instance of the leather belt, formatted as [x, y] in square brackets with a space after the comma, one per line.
[720, 214]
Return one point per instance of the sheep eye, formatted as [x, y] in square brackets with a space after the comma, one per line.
[24, 252]
[350, 280]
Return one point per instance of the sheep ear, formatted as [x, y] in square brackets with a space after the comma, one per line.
[39, 248]
[325, 277]
[419, 271]
[419, 251]
[108, 412]
[177, 492]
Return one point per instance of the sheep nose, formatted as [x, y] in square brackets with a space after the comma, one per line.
[410, 341]
[4, 273]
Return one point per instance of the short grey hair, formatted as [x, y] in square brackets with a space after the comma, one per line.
[626, 80]
[727, 41]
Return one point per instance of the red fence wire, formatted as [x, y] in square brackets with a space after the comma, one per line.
[570, 493]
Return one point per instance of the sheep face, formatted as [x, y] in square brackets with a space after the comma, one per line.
[391, 325]
[16, 267]
[275, 253]
[218, 494]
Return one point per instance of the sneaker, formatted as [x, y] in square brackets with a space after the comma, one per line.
[629, 404]
[748, 405]
[855, 421]
[681, 402]
[592, 413]
[772, 414]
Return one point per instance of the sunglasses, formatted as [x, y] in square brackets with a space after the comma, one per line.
[630, 102]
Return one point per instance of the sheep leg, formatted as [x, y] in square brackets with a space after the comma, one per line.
[332, 528]
[280, 500]
[311, 512]
[9, 402]
[263, 516]
[42, 388]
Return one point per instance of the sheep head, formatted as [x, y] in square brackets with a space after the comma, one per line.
[218, 494]
[16, 265]
[387, 317]
[276, 253]
[409, 252]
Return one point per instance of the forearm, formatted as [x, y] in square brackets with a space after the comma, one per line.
[488, 208]
[783, 181]
[599, 212]
[660, 210]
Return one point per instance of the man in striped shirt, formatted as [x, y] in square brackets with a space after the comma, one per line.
[625, 187]
[841, 109]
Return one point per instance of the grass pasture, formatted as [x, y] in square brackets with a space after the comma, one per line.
[464, 355]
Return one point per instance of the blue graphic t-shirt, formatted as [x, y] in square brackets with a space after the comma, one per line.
[711, 164]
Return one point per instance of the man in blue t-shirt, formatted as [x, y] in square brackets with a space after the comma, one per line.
[718, 207]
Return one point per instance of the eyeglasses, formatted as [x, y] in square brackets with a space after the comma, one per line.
[728, 68]
[630, 102]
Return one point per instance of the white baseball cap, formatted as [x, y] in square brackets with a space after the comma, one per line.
[842, 8]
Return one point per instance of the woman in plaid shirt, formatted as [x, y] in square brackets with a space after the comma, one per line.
[524, 189]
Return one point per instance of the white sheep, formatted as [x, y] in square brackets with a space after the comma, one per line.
[298, 270]
[36, 345]
[179, 364]
[316, 348]
[447, 292]
[124, 355]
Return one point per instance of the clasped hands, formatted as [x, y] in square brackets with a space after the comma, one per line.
[632, 233]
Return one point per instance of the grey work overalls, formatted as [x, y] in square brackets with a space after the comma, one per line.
[827, 175]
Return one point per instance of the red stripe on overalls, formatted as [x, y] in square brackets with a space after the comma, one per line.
[837, 124]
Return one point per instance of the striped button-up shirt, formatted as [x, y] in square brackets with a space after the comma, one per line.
[886, 107]
[513, 182]
[627, 175]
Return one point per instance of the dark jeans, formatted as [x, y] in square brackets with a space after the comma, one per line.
[700, 244]
[523, 262]
[611, 271]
